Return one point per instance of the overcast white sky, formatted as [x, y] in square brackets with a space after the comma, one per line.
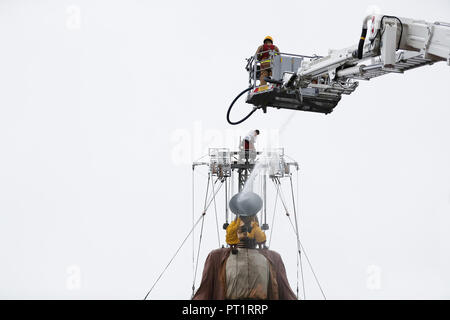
[104, 104]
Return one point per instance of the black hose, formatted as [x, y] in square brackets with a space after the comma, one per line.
[231, 106]
[361, 42]
[364, 33]
[401, 30]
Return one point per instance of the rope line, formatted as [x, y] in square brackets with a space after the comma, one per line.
[184, 241]
[298, 235]
[193, 219]
[273, 218]
[301, 248]
[198, 255]
[215, 212]
[173, 257]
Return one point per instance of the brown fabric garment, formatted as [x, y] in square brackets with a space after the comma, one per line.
[213, 285]
[247, 275]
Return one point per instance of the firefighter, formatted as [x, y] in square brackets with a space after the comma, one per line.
[263, 54]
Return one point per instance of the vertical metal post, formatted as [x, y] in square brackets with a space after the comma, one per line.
[242, 176]
[255, 69]
[265, 226]
[232, 182]
[225, 225]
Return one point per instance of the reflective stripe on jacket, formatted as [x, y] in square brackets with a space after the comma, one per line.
[265, 55]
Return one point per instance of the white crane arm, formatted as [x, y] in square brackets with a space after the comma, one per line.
[393, 45]
[388, 44]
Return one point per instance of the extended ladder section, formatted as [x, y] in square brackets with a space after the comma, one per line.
[310, 83]
[405, 61]
[396, 45]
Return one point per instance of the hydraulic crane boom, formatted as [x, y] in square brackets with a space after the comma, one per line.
[393, 45]
[388, 44]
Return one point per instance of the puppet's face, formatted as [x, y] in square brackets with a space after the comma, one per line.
[246, 231]
[245, 227]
